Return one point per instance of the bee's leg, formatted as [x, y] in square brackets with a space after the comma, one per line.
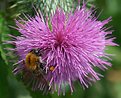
[41, 66]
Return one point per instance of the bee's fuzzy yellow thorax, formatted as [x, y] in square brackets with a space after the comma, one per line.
[31, 61]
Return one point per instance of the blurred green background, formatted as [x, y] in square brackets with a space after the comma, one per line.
[12, 87]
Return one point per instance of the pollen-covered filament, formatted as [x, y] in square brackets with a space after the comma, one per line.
[31, 61]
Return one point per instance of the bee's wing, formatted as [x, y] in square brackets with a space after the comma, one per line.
[36, 81]
[42, 84]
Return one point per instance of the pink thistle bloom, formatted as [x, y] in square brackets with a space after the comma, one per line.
[74, 46]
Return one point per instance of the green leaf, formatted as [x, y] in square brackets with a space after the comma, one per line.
[116, 56]
[3, 31]
[38, 94]
[4, 86]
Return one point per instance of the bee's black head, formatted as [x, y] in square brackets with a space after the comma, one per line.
[37, 51]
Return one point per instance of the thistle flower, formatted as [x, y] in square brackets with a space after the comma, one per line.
[73, 47]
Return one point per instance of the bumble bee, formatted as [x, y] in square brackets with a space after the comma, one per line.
[33, 61]
[34, 72]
